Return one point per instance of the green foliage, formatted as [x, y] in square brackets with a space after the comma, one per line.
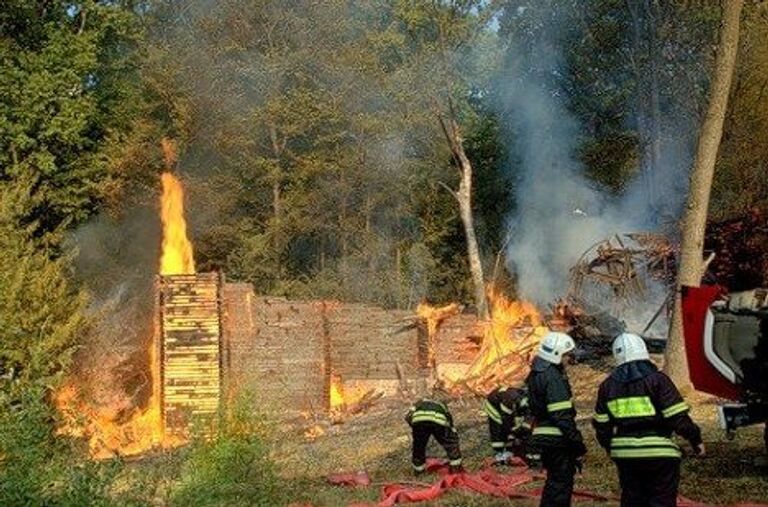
[740, 176]
[41, 313]
[232, 469]
[312, 169]
[66, 92]
[39, 468]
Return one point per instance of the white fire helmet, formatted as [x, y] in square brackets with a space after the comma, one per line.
[629, 347]
[554, 346]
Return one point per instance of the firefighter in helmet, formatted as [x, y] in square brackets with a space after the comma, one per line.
[431, 418]
[555, 435]
[638, 408]
[507, 411]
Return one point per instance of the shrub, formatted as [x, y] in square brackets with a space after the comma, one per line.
[234, 468]
[39, 468]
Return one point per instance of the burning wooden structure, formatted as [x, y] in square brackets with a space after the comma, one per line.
[293, 357]
[475, 355]
[189, 308]
[214, 342]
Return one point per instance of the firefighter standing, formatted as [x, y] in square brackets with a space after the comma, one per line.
[431, 418]
[507, 409]
[555, 434]
[638, 408]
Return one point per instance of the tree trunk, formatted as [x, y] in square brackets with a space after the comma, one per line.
[694, 220]
[464, 196]
[452, 133]
[655, 113]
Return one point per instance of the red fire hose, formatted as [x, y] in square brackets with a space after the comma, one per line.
[488, 481]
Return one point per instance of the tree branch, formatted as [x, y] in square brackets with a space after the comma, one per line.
[83, 16]
[450, 190]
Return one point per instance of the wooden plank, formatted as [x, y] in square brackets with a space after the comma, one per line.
[190, 314]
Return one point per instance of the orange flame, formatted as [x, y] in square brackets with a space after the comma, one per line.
[120, 427]
[343, 396]
[513, 331]
[514, 327]
[177, 257]
[108, 430]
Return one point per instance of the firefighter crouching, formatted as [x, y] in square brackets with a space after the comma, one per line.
[507, 411]
[555, 435]
[638, 408]
[431, 418]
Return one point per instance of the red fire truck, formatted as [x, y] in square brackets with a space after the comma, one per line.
[726, 338]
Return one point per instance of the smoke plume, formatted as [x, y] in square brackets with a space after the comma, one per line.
[560, 214]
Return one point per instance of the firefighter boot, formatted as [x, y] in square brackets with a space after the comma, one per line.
[502, 458]
[456, 469]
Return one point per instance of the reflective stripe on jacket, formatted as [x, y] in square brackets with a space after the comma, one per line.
[637, 410]
[506, 402]
[429, 411]
[551, 406]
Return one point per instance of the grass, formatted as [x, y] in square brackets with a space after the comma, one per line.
[257, 462]
[379, 443]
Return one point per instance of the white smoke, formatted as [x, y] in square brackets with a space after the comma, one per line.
[560, 214]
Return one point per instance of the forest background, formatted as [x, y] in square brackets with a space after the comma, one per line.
[312, 144]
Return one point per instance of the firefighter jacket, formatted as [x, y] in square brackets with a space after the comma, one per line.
[638, 408]
[426, 410]
[551, 406]
[508, 406]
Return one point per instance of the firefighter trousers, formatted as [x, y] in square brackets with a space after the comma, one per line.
[649, 482]
[560, 465]
[446, 436]
[503, 438]
[500, 433]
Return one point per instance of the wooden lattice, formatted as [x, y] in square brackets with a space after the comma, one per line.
[190, 324]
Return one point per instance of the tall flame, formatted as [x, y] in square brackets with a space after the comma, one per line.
[177, 257]
[120, 426]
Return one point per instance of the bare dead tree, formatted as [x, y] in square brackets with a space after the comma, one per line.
[463, 196]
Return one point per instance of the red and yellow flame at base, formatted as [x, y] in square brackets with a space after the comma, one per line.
[514, 327]
[120, 428]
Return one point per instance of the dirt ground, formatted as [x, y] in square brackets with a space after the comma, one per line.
[378, 442]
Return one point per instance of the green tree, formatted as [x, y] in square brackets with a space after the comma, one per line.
[66, 87]
[311, 163]
[40, 310]
[739, 181]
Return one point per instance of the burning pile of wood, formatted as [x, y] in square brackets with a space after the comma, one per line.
[498, 351]
[508, 369]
